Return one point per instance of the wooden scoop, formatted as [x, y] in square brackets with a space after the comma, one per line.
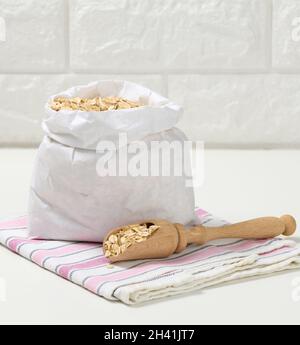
[172, 238]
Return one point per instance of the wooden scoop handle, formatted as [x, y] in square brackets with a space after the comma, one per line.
[267, 227]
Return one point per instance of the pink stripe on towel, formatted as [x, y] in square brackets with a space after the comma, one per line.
[65, 270]
[20, 222]
[276, 251]
[40, 255]
[201, 213]
[15, 242]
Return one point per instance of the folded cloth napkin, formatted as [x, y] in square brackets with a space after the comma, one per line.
[143, 280]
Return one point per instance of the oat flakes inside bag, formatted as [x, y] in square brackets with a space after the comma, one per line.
[92, 104]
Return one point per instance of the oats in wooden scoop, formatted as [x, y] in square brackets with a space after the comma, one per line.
[92, 104]
[118, 242]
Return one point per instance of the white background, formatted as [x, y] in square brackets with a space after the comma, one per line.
[233, 64]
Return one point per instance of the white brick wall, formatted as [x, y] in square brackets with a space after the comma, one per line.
[286, 34]
[35, 37]
[233, 64]
[243, 109]
[141, 35]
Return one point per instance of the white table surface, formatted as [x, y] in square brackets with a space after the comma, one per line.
[238, 185]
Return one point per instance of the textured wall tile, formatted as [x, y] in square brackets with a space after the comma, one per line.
[153, 82]
[22, 100]
[34, 36]
[286, 34]
[174, 34]
[245, 109]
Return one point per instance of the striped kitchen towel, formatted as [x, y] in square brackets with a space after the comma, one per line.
[143, 280]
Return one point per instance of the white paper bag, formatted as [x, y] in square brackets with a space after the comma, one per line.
[70, 200]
